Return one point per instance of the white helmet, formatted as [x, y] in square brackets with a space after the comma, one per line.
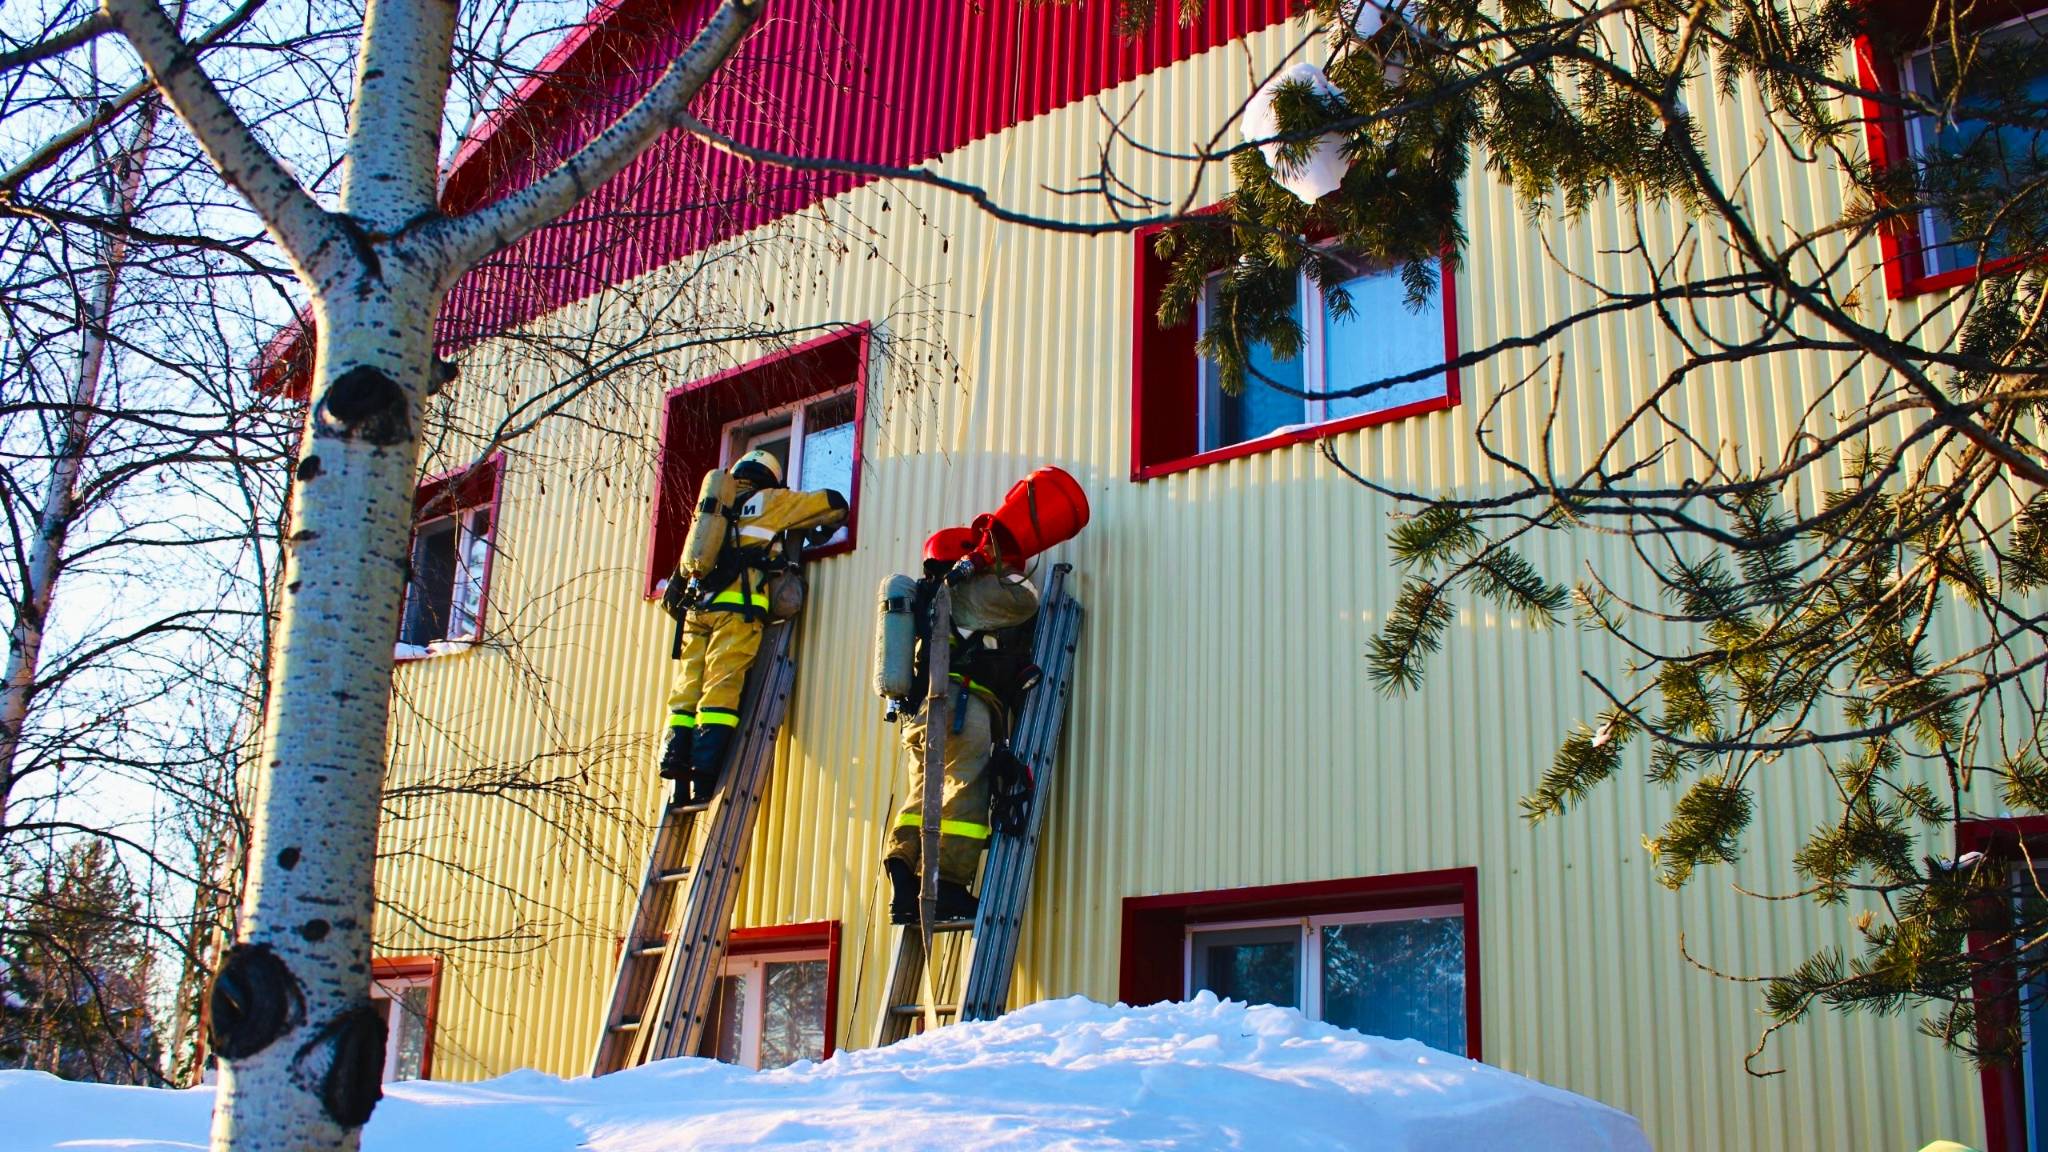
[763, 460]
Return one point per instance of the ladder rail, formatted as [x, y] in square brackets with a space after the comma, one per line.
[980, 967]
[649, 981]
[1007, 885]
[634, 980]
[698, 944]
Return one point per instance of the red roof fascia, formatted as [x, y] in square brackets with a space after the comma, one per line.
[885, 81]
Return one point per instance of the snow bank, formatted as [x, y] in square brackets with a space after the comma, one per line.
[1066, 1074]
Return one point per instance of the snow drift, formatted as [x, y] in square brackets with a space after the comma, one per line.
[1066, 1074]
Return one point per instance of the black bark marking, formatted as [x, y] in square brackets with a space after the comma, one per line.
[351, 1084]
[294, 586]
[288, 859]
[441, 375]
[314, 930]
[309, 467]
[366, 404]
[254, 1000]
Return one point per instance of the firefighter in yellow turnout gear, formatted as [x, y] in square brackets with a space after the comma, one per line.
[722, 631]
[990, 658]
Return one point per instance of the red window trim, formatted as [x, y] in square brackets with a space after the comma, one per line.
[451, 493]
[426, 968]
[1901, 244]
[1150, 964]
[734, 394]
[813, 934]
[1164, 359]
[2005, 1099]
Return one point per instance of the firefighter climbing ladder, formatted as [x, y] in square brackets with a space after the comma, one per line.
[662, 991]
[986, 947]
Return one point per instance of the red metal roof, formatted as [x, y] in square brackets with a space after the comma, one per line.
[884, 81]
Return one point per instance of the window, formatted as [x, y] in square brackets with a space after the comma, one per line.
[1926, 254]
[814, 440]
[405, 992]
[455, 519]
[1398, 973]
[1393, 956]
[806, 404]
[1381, 337]
[1182, 418]
[2016, 1091]
[776, 997]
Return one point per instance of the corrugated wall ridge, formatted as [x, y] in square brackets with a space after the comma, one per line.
[1223, 733]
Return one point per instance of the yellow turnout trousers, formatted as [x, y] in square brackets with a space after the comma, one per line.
[718, 648]
[963, 818]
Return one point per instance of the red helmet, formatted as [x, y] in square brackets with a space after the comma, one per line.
[949, 545]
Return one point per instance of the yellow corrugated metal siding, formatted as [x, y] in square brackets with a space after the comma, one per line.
[1223, 731]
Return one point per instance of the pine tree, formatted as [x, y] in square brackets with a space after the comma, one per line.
[74, 972]
[1816, 635]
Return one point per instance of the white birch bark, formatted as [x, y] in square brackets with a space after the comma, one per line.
[59, 503]
[301, 1047]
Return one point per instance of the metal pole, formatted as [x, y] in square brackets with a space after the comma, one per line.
[938, 727]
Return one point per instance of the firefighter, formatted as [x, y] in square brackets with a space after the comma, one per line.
[990, 670]
[722, 631]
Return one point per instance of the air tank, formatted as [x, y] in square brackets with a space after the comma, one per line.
[896, 638]
[708, 528]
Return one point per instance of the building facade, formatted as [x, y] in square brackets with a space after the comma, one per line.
[1239, 809]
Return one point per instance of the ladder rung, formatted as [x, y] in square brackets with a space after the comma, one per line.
[918, 1009]
[953, 926]
[629, 1024]
[671, 875]
[651, 947]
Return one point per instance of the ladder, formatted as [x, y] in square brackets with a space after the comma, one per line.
[985, 948]
[661, 993]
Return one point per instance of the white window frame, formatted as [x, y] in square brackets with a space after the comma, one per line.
[752, 970]
[391, 989]
[737, 438]
[1314, 365]
[1919, 126]
[1309, 975]
[465, 535]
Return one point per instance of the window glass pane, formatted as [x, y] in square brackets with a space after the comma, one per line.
[410, 1035]
[1254, 965]
[1381, 337]
[728, 1020]
[828, 451]
[433, 583]
[1402, 979]
[2016, 153]
[774, 438]
[793, 1016]
[466, 604]
[1259, 409]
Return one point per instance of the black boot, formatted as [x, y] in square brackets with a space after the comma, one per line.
[675, 759]
[902, 891]
[681, 799]
[956, 902]
[707, 757]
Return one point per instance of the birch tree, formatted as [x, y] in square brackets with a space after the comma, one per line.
[291, 1018]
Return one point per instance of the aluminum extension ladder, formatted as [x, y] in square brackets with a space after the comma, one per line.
[985, 948]
[665, 981]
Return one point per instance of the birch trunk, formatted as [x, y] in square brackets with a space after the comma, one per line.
[290, 1015]
[59, 503]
